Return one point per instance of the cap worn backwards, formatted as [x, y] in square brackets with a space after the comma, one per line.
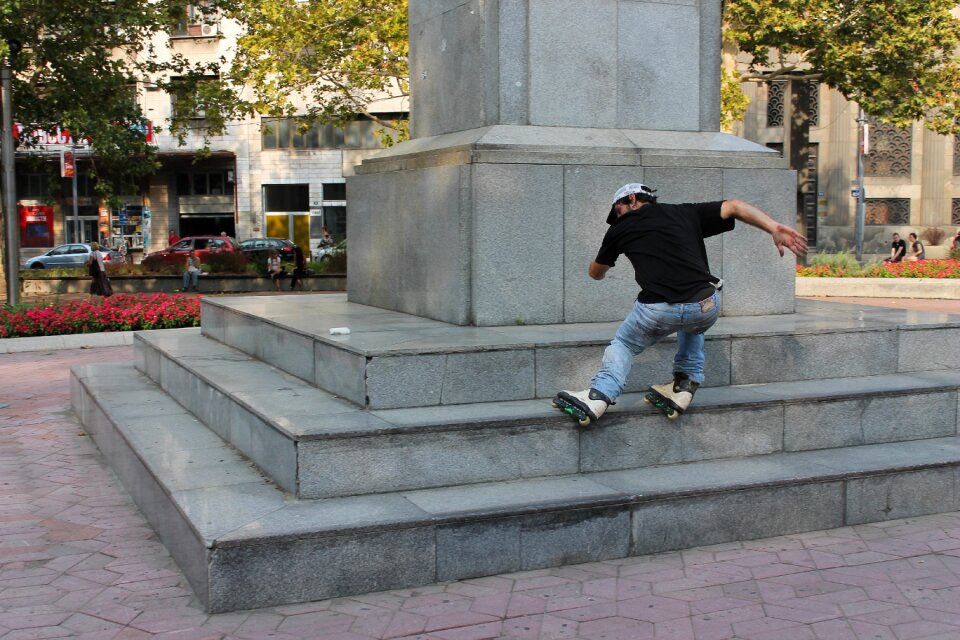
[626, 190]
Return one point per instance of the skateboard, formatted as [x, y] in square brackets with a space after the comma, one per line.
[562, 402]
[663, 404]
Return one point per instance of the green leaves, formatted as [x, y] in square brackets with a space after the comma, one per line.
[325, 59]
[896, 58]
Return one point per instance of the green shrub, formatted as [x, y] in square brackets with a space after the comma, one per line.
[226, 262]
[156, 265]
[335, 263]
[843, 261]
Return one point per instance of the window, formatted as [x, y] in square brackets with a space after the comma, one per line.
[335, 191]
[888, 211]
[336, 219]
[956, 154]
[890, 150]
[285, 133]
[198, 21]
[188, 96]
[955, 211]
[32, 186]
[776, 102]
[286, 197]
[210, 183]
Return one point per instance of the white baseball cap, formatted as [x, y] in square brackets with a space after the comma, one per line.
[624, 191]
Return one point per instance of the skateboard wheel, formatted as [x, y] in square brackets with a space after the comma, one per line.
[648, 399]
[584, 422]
[555, 405]
[672, 415]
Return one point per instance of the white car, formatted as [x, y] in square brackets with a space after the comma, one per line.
[323, 253]
[67, 256]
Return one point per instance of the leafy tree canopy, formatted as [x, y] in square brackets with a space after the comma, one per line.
[896, 58]
[77, 70]
[325, 59]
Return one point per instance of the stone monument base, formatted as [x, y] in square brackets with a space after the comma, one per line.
[448, 462]
[496, 226]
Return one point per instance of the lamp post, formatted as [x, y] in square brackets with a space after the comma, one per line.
[11, 227]
[863, 140]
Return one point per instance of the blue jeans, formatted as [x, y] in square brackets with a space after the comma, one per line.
[646, 325]
[190, 279]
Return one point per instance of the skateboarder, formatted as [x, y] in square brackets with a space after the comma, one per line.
[664, 243]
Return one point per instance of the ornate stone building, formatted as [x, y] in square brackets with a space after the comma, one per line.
[912, 176]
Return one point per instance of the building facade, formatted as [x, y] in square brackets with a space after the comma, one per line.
[912, 175]
[264, 177]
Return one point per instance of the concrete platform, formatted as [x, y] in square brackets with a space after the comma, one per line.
[244, 543]
[393, 360]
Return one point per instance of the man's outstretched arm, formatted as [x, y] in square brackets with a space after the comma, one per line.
[783, 236]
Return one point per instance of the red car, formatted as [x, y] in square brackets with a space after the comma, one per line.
[202, 245]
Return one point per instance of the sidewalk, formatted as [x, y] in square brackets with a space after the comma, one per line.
[78, 560]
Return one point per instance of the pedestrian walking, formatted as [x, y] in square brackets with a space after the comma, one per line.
[665, 245]
[99, 283]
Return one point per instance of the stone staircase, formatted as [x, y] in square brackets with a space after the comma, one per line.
[280, 463]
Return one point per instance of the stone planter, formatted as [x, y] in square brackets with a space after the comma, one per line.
[172, 283]
[937, 288]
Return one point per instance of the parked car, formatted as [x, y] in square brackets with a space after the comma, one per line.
[203, 245]
[261, 248]
[68, 256]
[325, 252]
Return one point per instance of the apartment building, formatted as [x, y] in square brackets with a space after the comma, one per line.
[264, 177]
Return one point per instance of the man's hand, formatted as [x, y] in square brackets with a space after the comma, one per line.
[597, 271]
[784, 236]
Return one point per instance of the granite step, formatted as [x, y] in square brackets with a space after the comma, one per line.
[316, 445]
[395, 360]
[243, 542]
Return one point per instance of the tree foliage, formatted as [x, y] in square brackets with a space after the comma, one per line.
[326, 60]
[896, 58]
[78, 70]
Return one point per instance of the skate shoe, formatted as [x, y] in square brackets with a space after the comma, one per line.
[672, 398]
[585, 406]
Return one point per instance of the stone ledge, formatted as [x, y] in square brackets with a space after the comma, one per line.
[929, 288]
[317, 446]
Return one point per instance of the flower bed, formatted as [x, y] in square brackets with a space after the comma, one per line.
[934, 269]
[121, 312]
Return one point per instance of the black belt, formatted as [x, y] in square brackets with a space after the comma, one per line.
[702, 294]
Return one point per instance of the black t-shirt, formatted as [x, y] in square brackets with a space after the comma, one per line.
[664, 243]
[900, 249]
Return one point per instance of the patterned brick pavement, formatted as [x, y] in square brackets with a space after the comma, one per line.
[78, 561]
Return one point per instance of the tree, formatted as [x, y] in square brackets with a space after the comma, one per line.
[896, 58]
[78, 70]
[326, 60]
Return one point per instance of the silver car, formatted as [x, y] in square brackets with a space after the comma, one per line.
[67, 256]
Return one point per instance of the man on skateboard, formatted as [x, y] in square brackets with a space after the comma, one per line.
[664, 243]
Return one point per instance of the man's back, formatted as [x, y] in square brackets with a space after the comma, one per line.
[664, 243]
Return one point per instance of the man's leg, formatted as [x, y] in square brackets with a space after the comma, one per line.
[640, 330]
[690, 358]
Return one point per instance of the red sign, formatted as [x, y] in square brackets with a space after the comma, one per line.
[36, 226]
[68, 166]
[61, 137]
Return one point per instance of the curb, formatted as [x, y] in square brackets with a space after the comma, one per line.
[70, 341]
